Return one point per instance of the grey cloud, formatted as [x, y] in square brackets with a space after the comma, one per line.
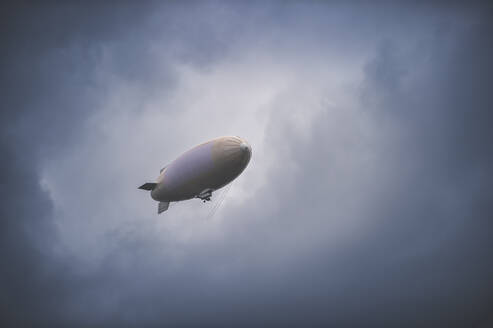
[374, 213]
[40, 72]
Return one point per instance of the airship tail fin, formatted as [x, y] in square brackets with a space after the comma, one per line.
[162, 206]
[148, 186]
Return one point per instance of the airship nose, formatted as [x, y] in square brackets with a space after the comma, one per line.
[235, 149]
[245, 147]
[246, 151]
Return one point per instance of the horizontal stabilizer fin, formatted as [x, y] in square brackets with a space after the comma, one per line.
[162, 206]
[148, 186]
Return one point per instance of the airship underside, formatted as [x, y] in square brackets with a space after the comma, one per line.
[200, 171]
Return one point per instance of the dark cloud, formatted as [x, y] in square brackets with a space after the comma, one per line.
[374, 209]
[46, 50]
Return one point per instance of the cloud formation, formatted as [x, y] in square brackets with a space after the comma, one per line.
[366, 202]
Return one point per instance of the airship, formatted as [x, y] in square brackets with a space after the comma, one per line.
[200, 171]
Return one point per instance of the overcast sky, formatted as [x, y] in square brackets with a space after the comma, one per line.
[367, 202]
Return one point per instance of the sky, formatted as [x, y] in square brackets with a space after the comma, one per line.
[367, 201]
